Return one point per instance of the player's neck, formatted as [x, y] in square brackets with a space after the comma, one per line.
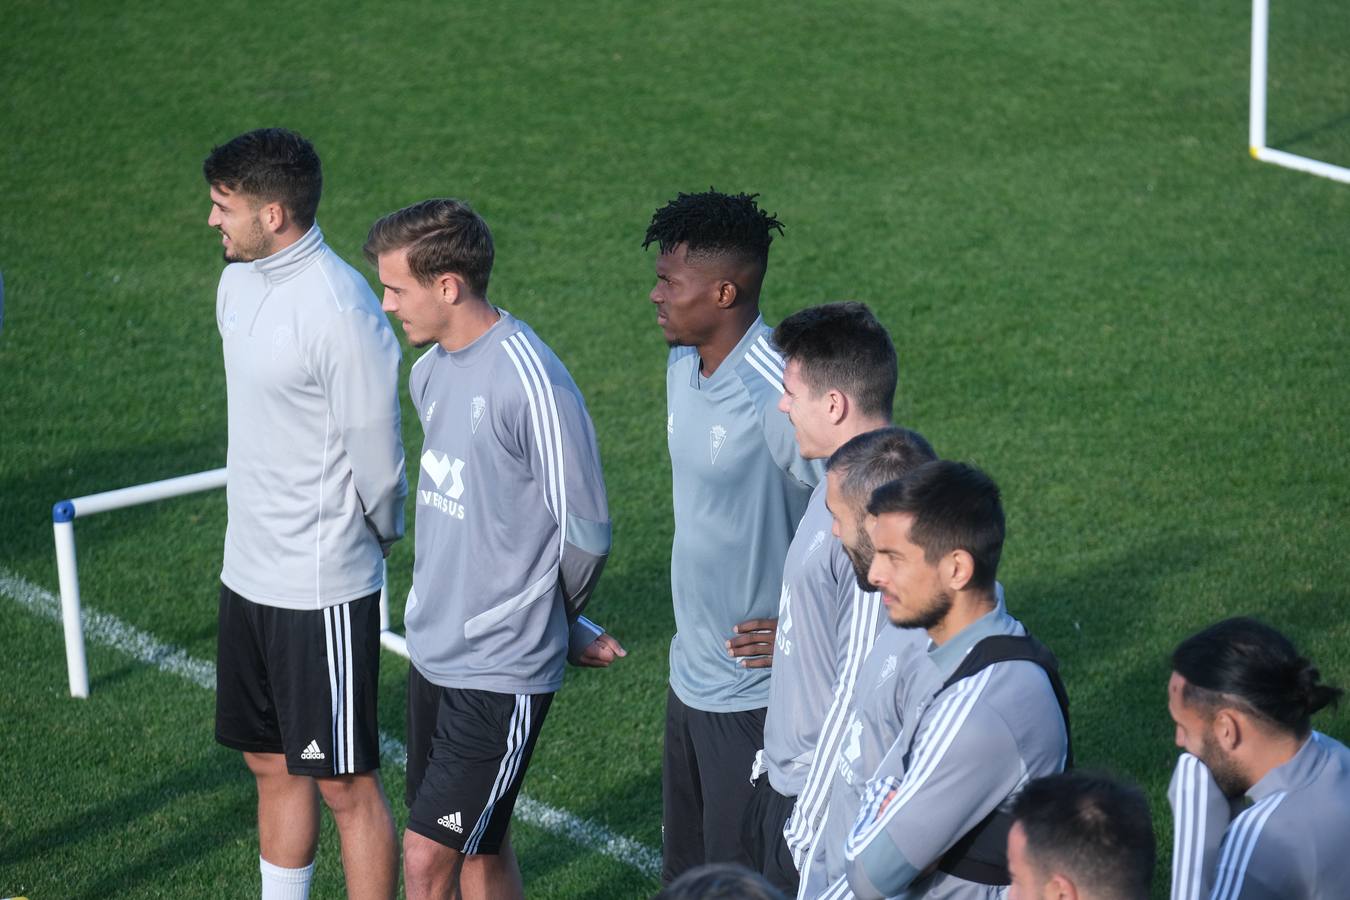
[853, 426]
[968, 607]
[471, 320]
[1274, 751]
[714, 351]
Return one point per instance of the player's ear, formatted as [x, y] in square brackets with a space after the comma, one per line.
[1061, 888]
[957, 568]
[1227, 728]
[449, 286]
[273, 217]
[839, 406]
[726, 294]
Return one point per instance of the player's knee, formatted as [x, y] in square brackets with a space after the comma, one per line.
[344, 794]
[425, 861]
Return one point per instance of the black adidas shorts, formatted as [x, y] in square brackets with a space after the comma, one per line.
[300, 682]
[467, 755]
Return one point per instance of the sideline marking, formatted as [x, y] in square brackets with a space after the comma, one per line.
[107, 629]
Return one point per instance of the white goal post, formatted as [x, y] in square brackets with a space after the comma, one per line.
[64, 514]
[1256, 130]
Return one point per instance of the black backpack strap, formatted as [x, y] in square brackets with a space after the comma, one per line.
[981, 853]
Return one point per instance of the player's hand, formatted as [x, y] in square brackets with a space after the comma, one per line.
[753, 643]
[600, 652]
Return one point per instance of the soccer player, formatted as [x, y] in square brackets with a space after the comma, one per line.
[984, 713]
[315, 495]
[740, 488]
[839, 382]
[1261, 801]
[859, 733]
[512, 534]
[1077, 836]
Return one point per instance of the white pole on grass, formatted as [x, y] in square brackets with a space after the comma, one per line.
[1256, 125]
[63, 529]
[77, 670]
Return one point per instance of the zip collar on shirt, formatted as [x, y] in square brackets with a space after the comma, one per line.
[286, 264]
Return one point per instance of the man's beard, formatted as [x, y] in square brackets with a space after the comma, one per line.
[937, 608]
[1226, 773]
[860, 556]
[257, 246]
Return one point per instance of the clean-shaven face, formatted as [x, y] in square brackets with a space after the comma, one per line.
[685, 296]
[910, 586]
[239, 222]
[1027, 882]
[808, 414]
[421, 308]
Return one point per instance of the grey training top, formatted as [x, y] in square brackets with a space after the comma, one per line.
[512, 520]
[1290, 842]
[826, 625]
[740, 488]
[315, 480]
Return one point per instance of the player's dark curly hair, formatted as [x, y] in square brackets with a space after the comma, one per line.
[713, 223]
[1245, 663]
[273, 165]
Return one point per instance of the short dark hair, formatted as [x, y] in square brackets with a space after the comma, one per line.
[1093, 828]
[713, 224]
[842, 346]
[441, 235]
[955, 507]
[869, 460]
[1245, 663]
[273, 165]
[720, 881]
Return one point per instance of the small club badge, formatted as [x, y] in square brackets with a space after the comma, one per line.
[477, 406]
[717, 436]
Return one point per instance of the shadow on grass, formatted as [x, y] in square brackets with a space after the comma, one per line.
[108, 821]
[1307, 134]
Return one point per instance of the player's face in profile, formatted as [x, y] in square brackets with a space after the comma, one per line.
[1195, 735]
[808, 413]
[1026, 884]
[848, 528]
[685, 295]
[420, 307]
[239, 221]
[910, 586]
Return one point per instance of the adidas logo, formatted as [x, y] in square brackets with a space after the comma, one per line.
[452, 822]
[312, 751]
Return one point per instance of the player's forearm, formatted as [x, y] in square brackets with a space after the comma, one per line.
[880, 870]
[376, 457]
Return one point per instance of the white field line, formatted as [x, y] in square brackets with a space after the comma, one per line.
[111, 631]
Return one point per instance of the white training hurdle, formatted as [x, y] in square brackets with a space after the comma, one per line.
[66, 512]
[1256, 124]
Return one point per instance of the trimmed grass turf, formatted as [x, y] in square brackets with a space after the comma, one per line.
[1096, 295]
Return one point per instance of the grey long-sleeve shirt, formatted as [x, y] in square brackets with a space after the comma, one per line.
[315, 480]
[512, 520]
[1290, 843]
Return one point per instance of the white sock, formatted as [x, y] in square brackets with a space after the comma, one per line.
[284, 884]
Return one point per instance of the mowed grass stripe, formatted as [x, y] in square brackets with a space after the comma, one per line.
[112, 632]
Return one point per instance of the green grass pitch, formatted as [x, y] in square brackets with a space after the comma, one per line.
[1095, 293]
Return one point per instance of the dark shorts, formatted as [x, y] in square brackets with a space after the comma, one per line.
[300, 682]
[705, 785]
[467, 755]
[762, 836]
